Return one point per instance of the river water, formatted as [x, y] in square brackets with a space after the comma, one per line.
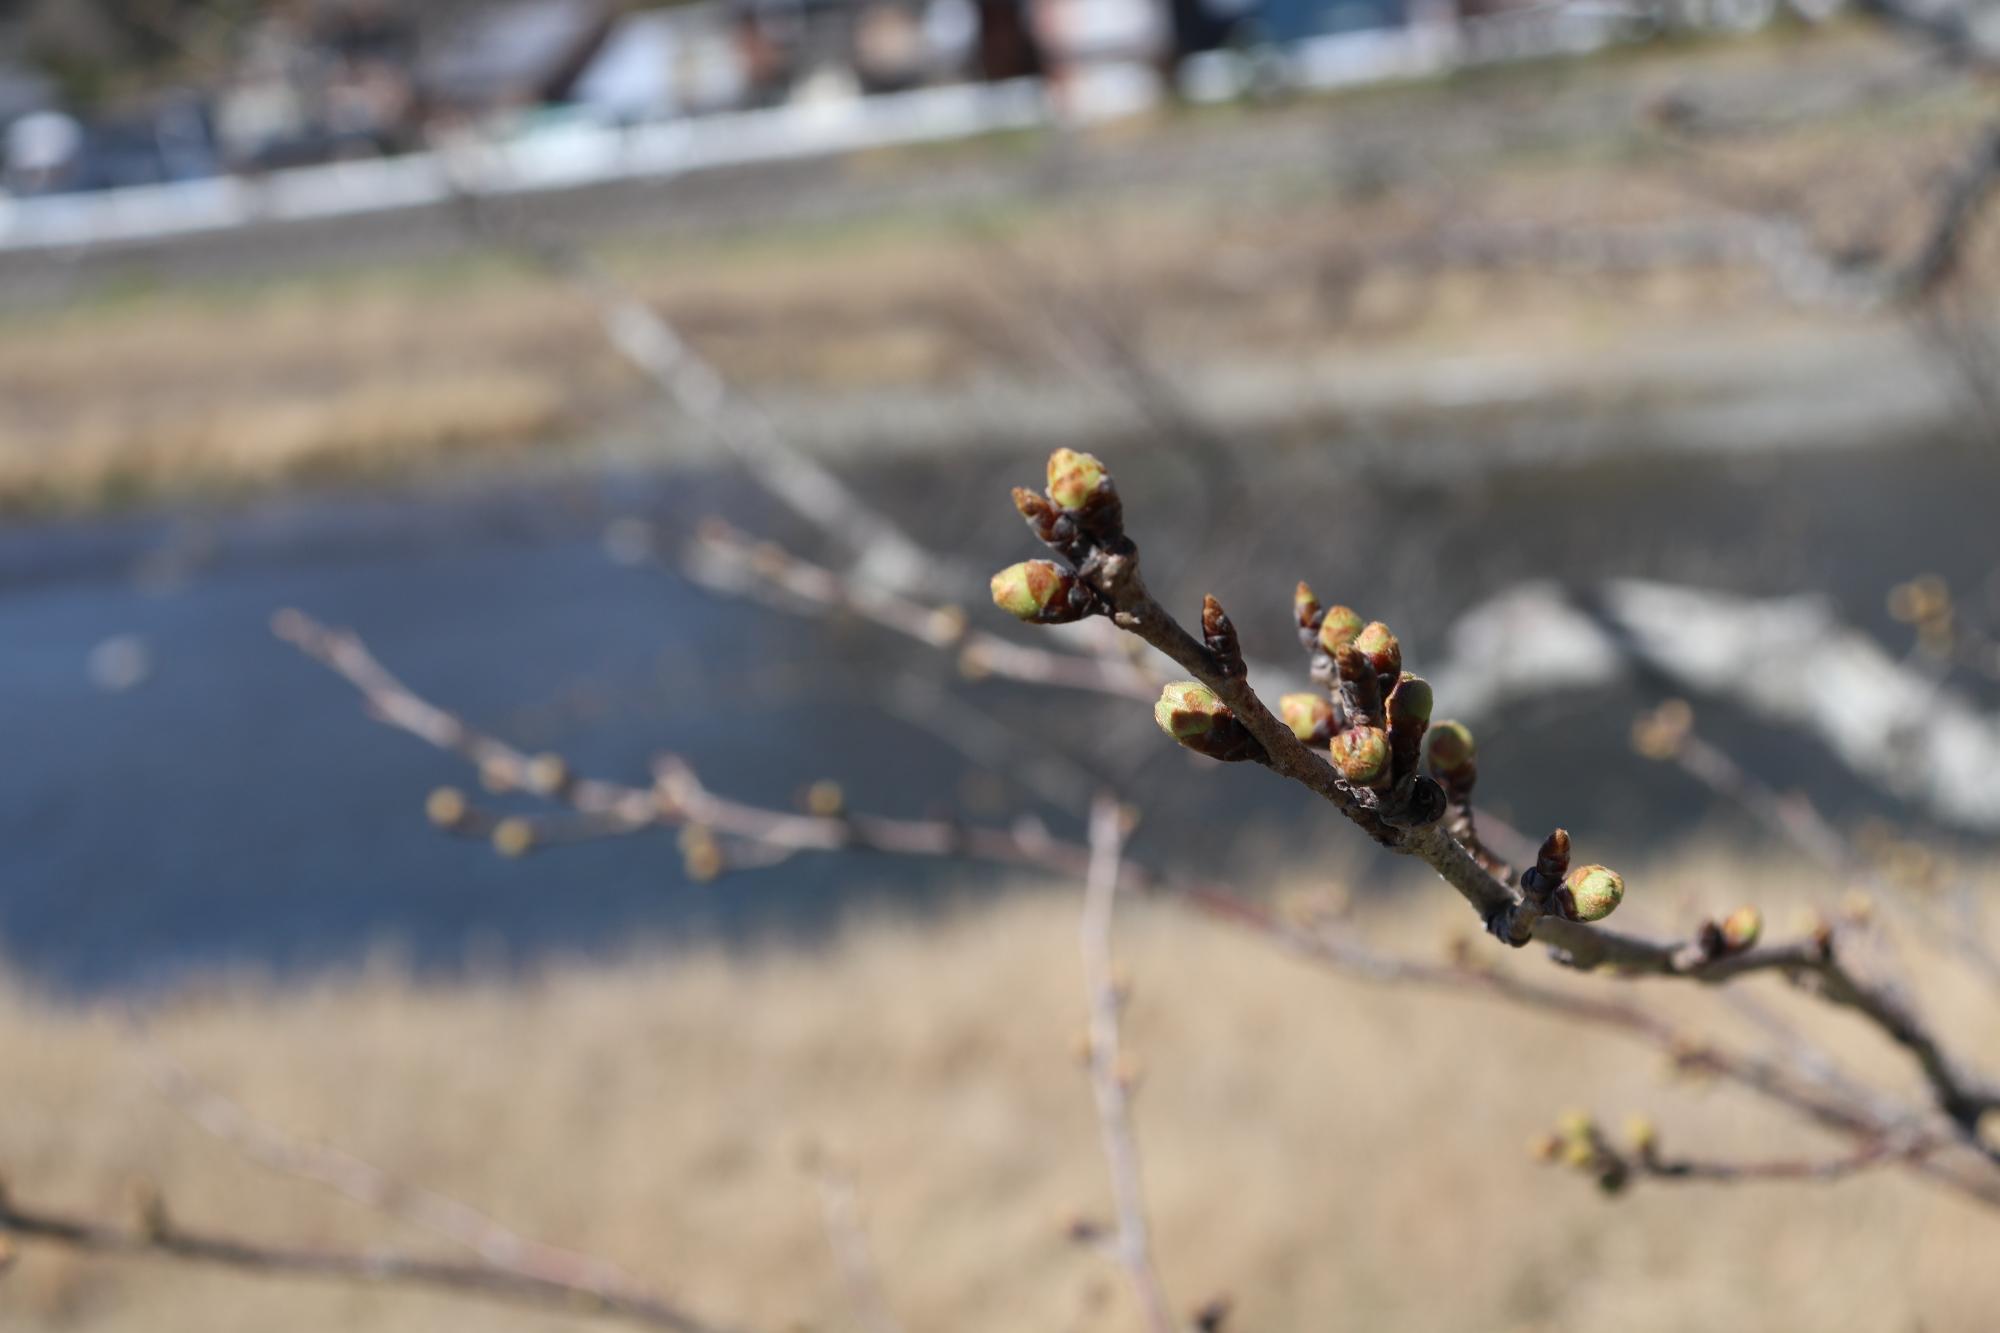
[231, 806]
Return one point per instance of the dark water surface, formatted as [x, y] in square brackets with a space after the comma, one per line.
[235, 807]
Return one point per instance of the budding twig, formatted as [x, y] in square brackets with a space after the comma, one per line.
[1082, 520]
[1668, 733]
[1580, 1144]
[679, 800]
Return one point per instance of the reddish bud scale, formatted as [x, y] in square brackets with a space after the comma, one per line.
[1306, 607]
[1040, 514]
[1360, 688]
[1553, 858]
[1543, 881]
[1220, 637]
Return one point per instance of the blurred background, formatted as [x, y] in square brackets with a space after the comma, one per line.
[1633, 361]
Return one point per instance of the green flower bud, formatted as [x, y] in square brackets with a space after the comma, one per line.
[1362, 755]
[1411, 700]
[446, 807]
[1188, 709]
[1449, 745]
[1073, 477]
[1741, 928]
[1380, 647]
[1026, 591]
[1340, 626]
[826, 799]
[1642, 1134]
[701, 855]
[1310, 716]
[1041, 515]
[1594, 892]
[513, 836]
[547, 774]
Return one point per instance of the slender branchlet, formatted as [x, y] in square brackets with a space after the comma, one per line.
[1580, 1144]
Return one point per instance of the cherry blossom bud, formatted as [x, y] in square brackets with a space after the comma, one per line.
[446, 807]
[1340, 626]
[1034, 590]
[1189, 712]
[1073, 478]
[1362, 755]
[1384, 653]
[1309, 715]
[1450, 748]
[1741, 928]
[1593, 892]
[513, 836]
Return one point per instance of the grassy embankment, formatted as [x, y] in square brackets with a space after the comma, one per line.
[1336, 1155]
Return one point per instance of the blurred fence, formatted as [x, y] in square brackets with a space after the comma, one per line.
[584, 153]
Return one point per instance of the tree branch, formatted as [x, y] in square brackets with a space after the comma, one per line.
[1082, 520]
[679, 800]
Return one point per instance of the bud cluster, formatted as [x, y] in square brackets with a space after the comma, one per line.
[1395, 768]
[1580, 1145]
[1077, 513]
[1373, 722]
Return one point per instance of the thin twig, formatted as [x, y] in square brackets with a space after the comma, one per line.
[1108, 1076]
[158, 1236]
[1794, 818]
[847, 1238]
[882, 551]
[726, 560]
[369, 1185]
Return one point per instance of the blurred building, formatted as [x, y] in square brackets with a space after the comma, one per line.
[667, 62]
[507, 57]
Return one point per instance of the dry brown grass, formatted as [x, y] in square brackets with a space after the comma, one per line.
[1334, 1154]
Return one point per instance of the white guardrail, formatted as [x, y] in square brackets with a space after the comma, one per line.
[571, 156]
